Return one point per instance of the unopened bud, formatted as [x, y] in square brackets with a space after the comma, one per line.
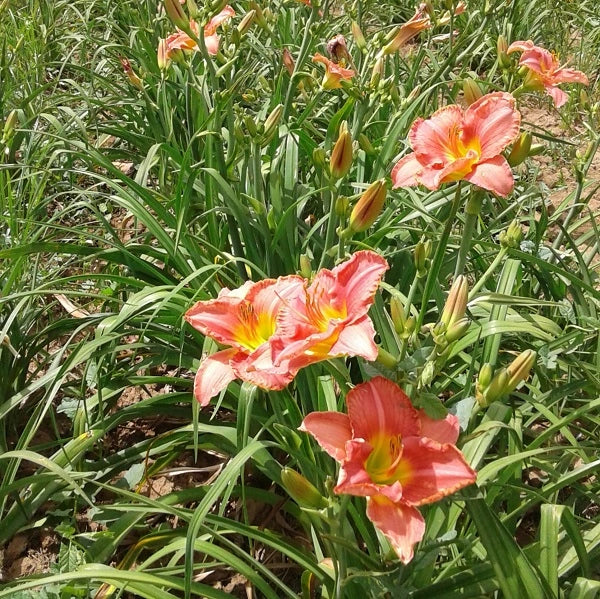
[359, 38]
[177, 14]
[305, 266]
[341, 156]
[302, 490]
[584, 98]
[485, 375]
[397, 314]
[162, 54]
[457, 330]
[511, 238]
[260, 18]
[246, 22]
[502, 47]
[12, 120]
[456, 304]
[495, 390]
[217, 6]
[272, 124]
[409, 327]
[368, 207]
[519, 369]
[250, 126]
[288, 61]
[536, 149]
[131, 74]
[422, 251]
[192, 8]
[341, 206]
[414, 94]
[365, 145]
[520, 149]
[471, 91]
[377, 73]
[318, 157]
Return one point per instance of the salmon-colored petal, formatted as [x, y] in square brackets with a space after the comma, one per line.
[458, 169]
[218, 20]
[431, 139]
[214, 374]
[267, 298]
[331, 430]
[257, 368]
[444, 430]
[318, 57]
[379, 407]
[570, 76]
[356, 340]
[356, 282]
[520, 46]
[494, 121]
[402, 524]
[354, 478]
[494, 175]
[406, 171]
[559, 97]
[432, 470]
[212, 44]
[539, 60]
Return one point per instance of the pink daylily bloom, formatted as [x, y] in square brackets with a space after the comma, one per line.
[455, 144]
[334, 73]
[182, 41]
[393, 454]
[245, 319]
[329, 319]
[545, 71]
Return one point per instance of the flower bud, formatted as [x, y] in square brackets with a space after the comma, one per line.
[192, 8]
[341, 206]
[162, 55]
[495, 390]
[377, 73]
[502, 47]
[457, 330]
[341, 156]
[456, 304]
[409, 327]
[485, 375]
[397, 314]
[12, 120]
[519, 369]
[177, 14]
[520, 149]
[511, 238]
[368, 207]
[471, 91]
[302, 491]
[365, 145]
[288, 61]
[131, 75]
[359, 38]
[246, 22]
[271, 125]
[250, 126]
[536, 149]
[305, 266]
[422, 251]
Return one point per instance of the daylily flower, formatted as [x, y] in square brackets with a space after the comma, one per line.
[329, 319]
[180, 40]
[334, 73]
[419, 21]
[545, 71]
[393, 454]
[455, 144]
[245, 319]
[337, 49]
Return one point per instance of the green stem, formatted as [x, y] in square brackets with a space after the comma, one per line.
[465, 243]
[438, 258]
[331, 225]
[341, 554]
[486, 275]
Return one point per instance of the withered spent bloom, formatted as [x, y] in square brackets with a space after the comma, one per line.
[337, 49]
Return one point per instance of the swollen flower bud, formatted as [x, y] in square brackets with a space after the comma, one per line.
[421, 257]
[485, 375]
[377, 73]
[359, 38]
[495, 390]
[318, 157]
[471, 91]
[246, 22]
[520, 149]
[272, 124]
[502, 47]
[397, 314]
[305, 266]
[12, 120]
[162, 54]
[457, 330]
[341, 206]
[177, 14]
[341, 156]
[365, 145]
[456, 304]
[519, 369]
[511, 238]
[301, 490]
[368, 207]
